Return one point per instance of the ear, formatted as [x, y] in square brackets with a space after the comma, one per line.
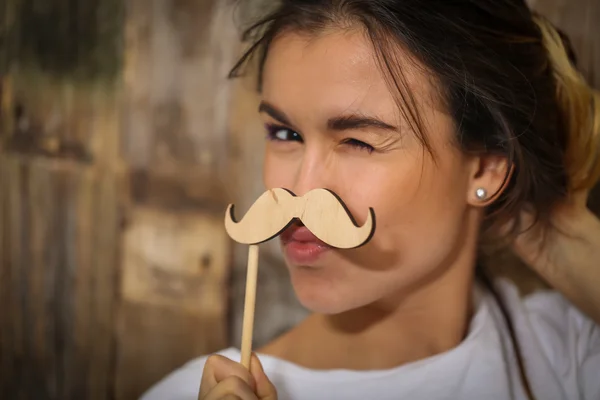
[489, 178]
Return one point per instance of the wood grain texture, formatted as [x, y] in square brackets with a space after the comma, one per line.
[113, 126]
[172, 338]
[175, 259]
[177, 55]
[59, 296]
[59, 220]
[176, 255]
[174, 305]
[174, 271]
[58, 148]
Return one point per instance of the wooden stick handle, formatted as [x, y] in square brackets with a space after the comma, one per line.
[249, 305]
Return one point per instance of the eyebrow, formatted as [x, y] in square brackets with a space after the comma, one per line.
[274, 113]
[357, 121]
[341, 123]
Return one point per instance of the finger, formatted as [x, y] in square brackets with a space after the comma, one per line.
[217, 368]
[232, 387]
[530, 233]
[265, 389]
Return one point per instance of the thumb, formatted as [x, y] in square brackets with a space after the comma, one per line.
[265, 390]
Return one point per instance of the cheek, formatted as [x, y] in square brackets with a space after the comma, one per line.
[417, 202]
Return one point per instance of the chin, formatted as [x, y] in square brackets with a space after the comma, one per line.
[321, 304]
[323, 296]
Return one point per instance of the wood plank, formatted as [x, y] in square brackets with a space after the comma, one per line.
[59, 231]
[174, 303]
[68, 132]
[169, 348]
[43, 209]
[176, 255]
[104, 228]
[24, 238]
[177, 53]
[194, 190]
[62, 234]
[63, 195]
[11, 313]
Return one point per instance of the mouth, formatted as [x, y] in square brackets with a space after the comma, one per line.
[301, 246]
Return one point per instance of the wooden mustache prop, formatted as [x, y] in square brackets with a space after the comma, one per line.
[320, 210]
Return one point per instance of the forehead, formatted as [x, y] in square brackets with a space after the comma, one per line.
[332, 72]
[336, 72]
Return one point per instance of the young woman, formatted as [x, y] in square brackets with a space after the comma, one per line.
[462, 123]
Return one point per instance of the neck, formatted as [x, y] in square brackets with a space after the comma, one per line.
[429, 319]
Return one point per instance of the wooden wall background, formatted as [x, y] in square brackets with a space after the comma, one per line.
[121, 141]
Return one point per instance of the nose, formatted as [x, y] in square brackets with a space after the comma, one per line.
[314, 171]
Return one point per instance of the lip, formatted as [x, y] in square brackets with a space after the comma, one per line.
[301, 246]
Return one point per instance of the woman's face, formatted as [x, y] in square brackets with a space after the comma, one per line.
[333, 123]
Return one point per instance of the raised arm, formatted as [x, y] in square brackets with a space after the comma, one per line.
[569, 259]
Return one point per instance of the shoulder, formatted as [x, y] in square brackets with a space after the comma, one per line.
[550, 315]
[184, 382]
[552, 329]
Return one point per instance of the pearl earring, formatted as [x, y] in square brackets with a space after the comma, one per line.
[481, 194]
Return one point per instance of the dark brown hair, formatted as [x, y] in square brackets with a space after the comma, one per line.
[505, 75]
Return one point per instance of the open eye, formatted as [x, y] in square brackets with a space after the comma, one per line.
[283, 134]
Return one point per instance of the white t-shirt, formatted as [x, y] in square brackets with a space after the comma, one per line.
[560, 347]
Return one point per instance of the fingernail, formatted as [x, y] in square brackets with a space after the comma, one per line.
[255, 364]
[252, 368]
[254, 360]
